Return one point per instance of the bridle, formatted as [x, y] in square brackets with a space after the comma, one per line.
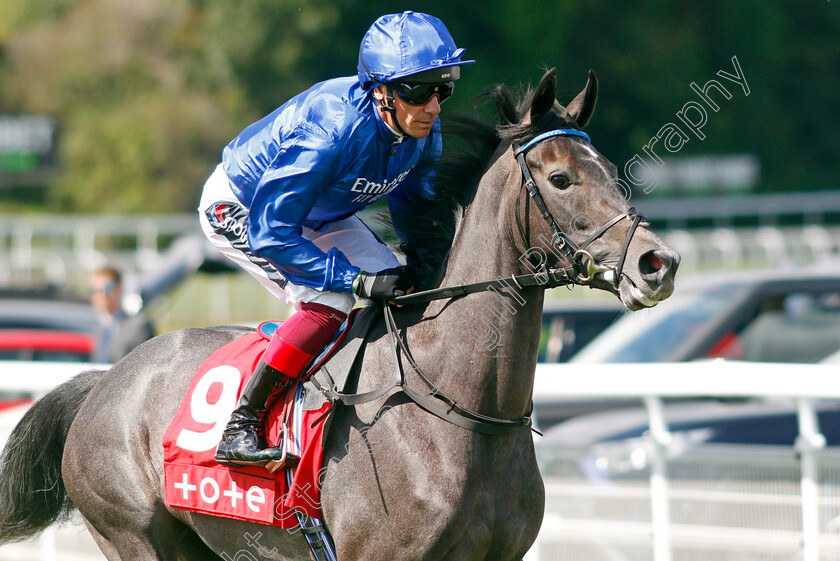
[581, 261]
[581, 270]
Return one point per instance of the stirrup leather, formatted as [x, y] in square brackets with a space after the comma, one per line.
[287, 460]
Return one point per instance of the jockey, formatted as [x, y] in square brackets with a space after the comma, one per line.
[282, 203]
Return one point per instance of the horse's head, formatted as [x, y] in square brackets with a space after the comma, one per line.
[594, 226]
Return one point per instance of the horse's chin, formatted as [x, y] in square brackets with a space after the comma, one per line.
[632, 296]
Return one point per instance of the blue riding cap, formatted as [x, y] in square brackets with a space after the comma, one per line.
[400, 45]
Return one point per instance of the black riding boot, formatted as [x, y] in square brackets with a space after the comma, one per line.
[243, 442]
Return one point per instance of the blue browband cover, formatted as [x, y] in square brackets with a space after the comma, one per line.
[558, 132]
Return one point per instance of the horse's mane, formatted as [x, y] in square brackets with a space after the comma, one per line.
[470, 143]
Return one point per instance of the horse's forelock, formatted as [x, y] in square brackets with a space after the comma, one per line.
[523, 129]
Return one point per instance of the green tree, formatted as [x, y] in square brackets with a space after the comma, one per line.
[147, 93]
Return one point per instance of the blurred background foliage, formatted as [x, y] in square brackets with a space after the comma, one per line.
[147, 93]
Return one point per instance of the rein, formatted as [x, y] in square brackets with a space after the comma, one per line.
[439, 404]
[582, 269]
[549, 278]
[435, 402]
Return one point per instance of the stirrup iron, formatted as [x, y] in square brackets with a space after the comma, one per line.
[287, 460]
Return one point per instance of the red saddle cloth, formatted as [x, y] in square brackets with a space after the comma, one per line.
[193, 479]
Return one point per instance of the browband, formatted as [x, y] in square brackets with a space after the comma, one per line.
[558, 132]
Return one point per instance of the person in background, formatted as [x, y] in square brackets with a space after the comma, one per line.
[119, 333]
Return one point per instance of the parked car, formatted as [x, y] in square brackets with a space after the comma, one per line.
[772, 316]
[45, 344]
[618, 442]
[50, 324]
[44, 325]
[769, 316]
[568, 325]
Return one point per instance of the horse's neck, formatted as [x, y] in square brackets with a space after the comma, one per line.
[487, 341]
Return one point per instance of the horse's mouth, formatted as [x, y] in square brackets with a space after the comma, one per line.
[632, 296]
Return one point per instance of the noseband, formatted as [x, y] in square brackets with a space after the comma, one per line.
[584, 267]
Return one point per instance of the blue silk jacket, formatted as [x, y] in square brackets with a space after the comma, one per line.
[321, 157]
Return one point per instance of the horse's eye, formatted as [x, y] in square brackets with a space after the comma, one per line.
[560, 181]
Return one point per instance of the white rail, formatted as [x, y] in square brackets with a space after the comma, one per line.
[38, 378]
[717, 378]
[712, 378]
[650, 383]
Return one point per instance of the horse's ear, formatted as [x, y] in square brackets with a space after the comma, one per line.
[505, 103]
[545, 96]
[583, 106]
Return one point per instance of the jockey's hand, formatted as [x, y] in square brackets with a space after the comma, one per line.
[384, 285]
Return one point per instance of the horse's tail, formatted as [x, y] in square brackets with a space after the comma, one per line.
[32, 493]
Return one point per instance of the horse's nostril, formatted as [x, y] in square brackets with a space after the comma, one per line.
[650, 263]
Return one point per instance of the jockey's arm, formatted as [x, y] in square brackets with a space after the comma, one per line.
[283, 199]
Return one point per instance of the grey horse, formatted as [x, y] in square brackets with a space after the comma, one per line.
[400, 482]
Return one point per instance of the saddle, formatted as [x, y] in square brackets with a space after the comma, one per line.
[329, 375]
[194, 481]
[297, 420]
[336, 367]
[337, 373]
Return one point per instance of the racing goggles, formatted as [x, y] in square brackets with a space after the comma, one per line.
[420, 94]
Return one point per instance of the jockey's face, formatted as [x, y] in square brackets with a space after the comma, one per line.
[415, 120]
